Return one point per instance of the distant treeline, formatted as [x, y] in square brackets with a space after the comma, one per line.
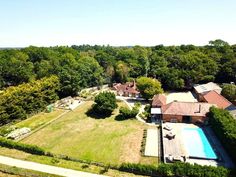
[83, 66]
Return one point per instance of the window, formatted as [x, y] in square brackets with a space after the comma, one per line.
[187, 119]
[173, 120]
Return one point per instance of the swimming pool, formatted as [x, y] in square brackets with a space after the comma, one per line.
[197, 144]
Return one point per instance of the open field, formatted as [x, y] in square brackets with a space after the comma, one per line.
[39, 119]
[102, 140]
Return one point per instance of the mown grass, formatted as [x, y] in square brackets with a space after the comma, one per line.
[39, 119]
[10, 171]
[60, 163]
[102, 140]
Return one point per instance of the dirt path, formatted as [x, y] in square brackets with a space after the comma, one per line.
[45, 168]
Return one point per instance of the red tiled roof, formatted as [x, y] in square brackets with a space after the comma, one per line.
[128, 87]
[186, 108]
[214, 98]
[158, 100]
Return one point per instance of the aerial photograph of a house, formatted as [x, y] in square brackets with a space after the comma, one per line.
[117, 88]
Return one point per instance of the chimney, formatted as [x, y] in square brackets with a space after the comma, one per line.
[200, 108]
[134, 84]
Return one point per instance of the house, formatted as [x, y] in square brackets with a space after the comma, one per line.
[204, 88]
[178, 111]
[128, 89]
[213, 97]
[187, 112]
[158, 101]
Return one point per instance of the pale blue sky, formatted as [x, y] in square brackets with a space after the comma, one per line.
[116, 22]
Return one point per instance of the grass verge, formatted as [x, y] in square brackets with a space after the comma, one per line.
[10, 171]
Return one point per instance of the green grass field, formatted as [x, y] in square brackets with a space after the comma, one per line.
[10, 171]
[54, 162]
[39, 119]
[102, 140]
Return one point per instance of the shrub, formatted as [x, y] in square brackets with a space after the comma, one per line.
[137, 104]
[223, 124]
[126, 113]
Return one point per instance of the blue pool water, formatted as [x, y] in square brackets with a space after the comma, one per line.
[197, 144]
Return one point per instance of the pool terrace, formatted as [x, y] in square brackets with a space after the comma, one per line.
[176, 148]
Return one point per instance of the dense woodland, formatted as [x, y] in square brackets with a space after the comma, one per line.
[28, 98]
[176, 67]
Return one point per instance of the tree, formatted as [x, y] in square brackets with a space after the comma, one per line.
[16, 68]
[149, 87]
[229, 91]
[17, 102]
[218, 43]
[105, 103]
[91, 72]
[110, 72]
[122, 71]
[172, 80]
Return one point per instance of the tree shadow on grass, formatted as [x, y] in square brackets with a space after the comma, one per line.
[91, 113]
[119, 117]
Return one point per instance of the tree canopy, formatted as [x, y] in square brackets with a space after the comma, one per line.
[229, 91]
[105, 103]
[77, 67]
[16, 102]
[149, 87]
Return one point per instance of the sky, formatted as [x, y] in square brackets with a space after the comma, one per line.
[116, 22]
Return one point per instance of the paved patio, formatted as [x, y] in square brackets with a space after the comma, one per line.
[180, 96]
[151, 147]
[173, 147]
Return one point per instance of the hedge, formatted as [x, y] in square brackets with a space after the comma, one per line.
[177, 169]
[224, 126]
[23, 147]
[162, 170]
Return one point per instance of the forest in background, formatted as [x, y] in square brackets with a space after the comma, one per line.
[78, 67]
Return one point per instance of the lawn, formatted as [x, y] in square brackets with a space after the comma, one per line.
[56, 162]
[102, 140]
[39, 119]
[10, 171]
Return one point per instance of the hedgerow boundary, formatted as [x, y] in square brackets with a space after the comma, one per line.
[162, 170]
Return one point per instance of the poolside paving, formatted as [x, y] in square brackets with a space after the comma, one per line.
[151, 147]
[226, 161]
[173, 147]
[176, 147]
